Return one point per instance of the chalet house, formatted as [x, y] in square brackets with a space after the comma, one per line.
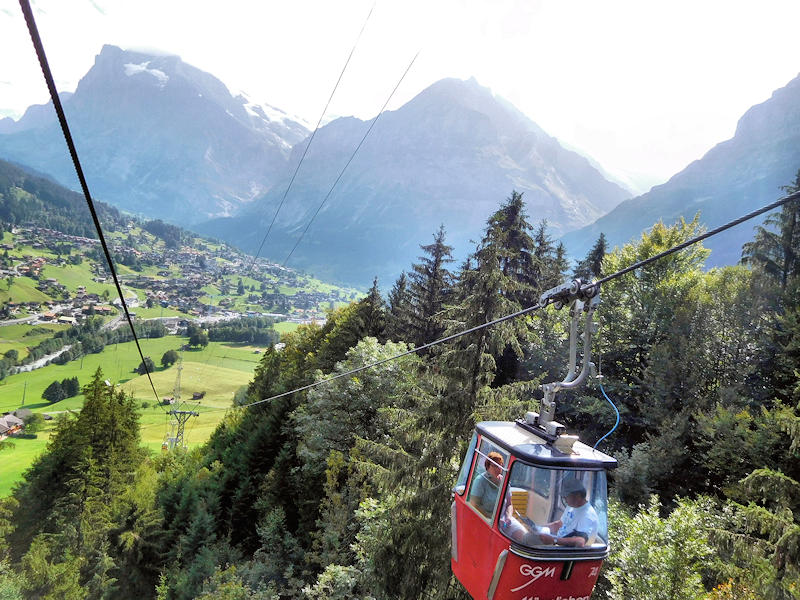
[11, 424]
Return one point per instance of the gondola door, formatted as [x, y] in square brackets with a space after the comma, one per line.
[477, 545]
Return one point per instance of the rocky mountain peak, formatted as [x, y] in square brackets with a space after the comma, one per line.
[160, 137]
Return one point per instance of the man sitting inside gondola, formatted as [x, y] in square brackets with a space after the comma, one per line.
[578, 524]
[483, 496]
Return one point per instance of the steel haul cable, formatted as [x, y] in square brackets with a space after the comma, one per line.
[352, 156]
[311, 139]
[51, 86]
[524, 311]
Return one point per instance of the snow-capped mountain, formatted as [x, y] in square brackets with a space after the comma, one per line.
[158, 137]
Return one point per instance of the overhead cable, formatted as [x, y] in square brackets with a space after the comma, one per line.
[538, 305]
[701, 237]
[308, 145]
[51, 86]
[352, 156]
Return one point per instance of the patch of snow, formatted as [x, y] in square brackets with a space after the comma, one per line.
[269, 113]
[132, 69]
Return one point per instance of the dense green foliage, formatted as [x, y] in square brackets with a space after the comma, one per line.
[146, 366]
[169, 233]
[170, 357]
[252, 330]
[341, 491]
[58, 390]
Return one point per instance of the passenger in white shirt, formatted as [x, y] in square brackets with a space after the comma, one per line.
[578, 524]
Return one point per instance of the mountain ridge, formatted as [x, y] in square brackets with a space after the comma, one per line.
[732, 178]
[450, 155]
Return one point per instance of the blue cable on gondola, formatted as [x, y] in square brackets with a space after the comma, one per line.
[616, 410]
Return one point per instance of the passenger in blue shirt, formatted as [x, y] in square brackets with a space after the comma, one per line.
[486, 486]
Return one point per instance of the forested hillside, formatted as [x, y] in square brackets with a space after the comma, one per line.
[343, 491]
[27, 197]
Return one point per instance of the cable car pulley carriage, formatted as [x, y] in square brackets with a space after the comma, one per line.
[529, 512]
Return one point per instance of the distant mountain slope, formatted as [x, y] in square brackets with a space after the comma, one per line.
[450, 155]
[159, 137]
[733, 178]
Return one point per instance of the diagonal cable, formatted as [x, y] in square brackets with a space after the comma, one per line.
[701, 237]
[308, 145]
[352, 156]
[48, 76]
[524, 311]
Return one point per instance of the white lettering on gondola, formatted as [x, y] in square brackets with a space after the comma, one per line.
[534, 572]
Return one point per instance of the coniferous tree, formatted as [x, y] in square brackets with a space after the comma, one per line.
[430, 284]
[775, 251]
[54, 392]
[512, 230]
[759, 536]
[774, 255]
[372, 311]
[500, 284]
[90, 460]
[398, 313]
[485, 293]
[592, 265]
[71, 386]
[549, 260]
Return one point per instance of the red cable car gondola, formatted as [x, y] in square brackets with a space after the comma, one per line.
[529, 513]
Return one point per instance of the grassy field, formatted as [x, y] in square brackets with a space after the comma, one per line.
[14, 337]
[22, 250]
[285, 327]
[142, 312]
[218, 370]
[14, 461]
[72, 276]
[23, 289]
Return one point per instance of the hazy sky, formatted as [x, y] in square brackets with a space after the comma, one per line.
[643, 87]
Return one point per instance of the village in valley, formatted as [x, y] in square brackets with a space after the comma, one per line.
[201, 281]
[53, 283]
